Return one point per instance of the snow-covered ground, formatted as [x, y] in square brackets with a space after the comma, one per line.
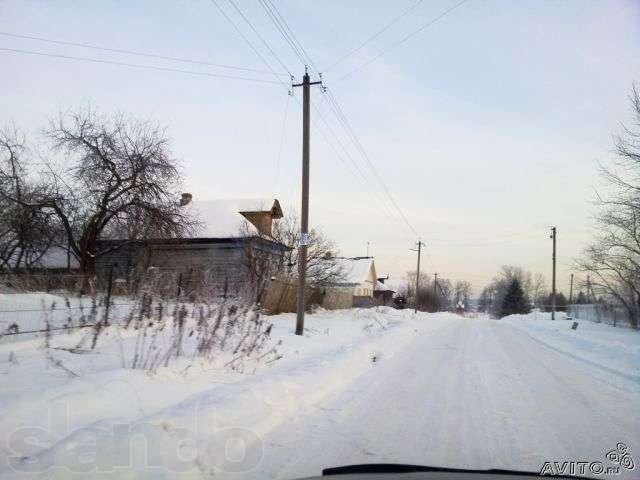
[377, 385]
[28, 311]
[614, 349]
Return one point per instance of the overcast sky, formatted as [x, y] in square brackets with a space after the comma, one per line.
[486, 127]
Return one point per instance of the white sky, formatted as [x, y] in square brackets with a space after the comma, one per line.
[487, 127]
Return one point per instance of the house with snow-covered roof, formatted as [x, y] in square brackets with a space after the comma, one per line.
[232, 234]
[356, 287]
[383, 293]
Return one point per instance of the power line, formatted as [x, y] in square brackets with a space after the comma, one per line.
[401, 41]
[338, 115]
[375, 35]
[132, 52]
[269, 66]
[311, 61]
[135, 65]
[248, 42]
[277, 58]
[363, 178]
[293, 35]
[368, 188]
[264, 42]
[343, 119]
[280, 27]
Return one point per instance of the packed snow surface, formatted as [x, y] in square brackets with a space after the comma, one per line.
[360, 386]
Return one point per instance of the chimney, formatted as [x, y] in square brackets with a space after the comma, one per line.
[185, 199]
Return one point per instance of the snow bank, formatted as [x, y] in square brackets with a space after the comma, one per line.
[82, 423]
[615, 349]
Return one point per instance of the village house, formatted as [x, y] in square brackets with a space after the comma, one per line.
[383, 293]
[356, 288]
[232, 252]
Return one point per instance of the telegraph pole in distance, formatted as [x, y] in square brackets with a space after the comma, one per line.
[571, 290]
[304, 220]
[415, 302]
[435, 289]
[553, 275]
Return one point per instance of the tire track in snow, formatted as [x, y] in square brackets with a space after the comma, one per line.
[584, 415]
[627, 376]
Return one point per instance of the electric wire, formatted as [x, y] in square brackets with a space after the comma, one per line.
[400, 42]
[272, 16]
[135, 65]
[293, 36]
[133, 52]
[337, 111]
[314, 106]
[248, 42]
[375, 35]
[347, 125]
[264, 42]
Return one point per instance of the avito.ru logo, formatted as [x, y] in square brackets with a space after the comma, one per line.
[620, 456]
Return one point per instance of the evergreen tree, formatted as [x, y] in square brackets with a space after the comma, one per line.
[515, 301]
[581, 299]
[561, 302]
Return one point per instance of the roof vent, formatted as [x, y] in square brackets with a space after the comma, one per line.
[185, 199]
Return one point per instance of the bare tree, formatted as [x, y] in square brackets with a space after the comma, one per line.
[444, 293]
[25, 233]
[263, 262]
[430, 297]
[424, 299]
[462, 293]
[539, 290]
[323, 268]
[613, 260]
[118, 178]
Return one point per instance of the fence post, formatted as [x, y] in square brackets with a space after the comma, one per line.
[109, 285]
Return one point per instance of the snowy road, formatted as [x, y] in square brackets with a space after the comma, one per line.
[445, 391]
[472, 393]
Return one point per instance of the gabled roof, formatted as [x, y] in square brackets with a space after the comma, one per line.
[228, 218]
[356, 270]
[382, 287]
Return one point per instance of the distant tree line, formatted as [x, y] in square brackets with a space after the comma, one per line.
[515, 290]
[436, 295]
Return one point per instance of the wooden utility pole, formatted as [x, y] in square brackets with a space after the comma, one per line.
[304, 221]
[571, 290]
[415, 302]
[435, 290]
[553, 275]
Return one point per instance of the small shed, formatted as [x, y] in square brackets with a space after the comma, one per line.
[382, 293]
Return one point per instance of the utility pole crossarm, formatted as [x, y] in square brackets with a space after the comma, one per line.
[319, 82]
